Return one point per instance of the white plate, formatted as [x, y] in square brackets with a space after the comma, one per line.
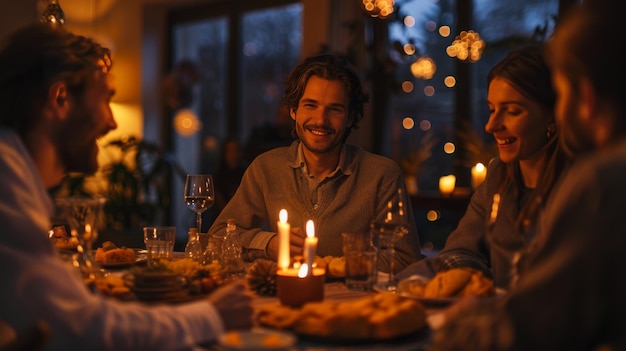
[404, 290]
[257, 339]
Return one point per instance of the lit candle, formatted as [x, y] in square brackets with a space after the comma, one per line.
[284, 229]
[479, 172]
[310, 245]
[447, 184]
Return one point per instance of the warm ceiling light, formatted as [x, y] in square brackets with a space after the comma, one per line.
[53, 14]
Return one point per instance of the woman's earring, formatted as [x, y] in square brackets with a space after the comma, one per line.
[549, 132]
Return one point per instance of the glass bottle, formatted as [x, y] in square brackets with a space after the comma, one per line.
[231, 252]
[193, 249]
[213, 252]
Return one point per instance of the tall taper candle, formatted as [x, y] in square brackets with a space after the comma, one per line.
[284, 257]
[310, 245]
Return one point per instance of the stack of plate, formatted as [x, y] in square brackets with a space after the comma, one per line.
[157, 286]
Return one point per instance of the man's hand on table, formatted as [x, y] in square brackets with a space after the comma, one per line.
[234, 304]
[296, 243]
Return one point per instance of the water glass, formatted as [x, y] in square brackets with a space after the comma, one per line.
[361, 261]
[159, 243]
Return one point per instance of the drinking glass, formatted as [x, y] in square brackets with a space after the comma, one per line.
[84, 216]
[389, 232]
[361, 260]
[199, 195]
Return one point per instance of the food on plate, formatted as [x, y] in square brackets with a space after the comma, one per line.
[232, 339]
[67, 243]
[455, 282]
[336, 266]
[61, 240]
[269, 340]
[190, 268]
[200, 279]
[380, 316]
[272, 340]
[109, 253]
[112, 285]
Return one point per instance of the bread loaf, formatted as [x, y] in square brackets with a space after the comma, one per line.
[455, 282]
[379, 316]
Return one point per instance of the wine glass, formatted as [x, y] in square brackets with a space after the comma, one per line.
[393, 228]
[199, 195]
[83, 216]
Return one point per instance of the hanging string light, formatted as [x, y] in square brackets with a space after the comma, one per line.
[423, 68]
[378, 8]
[466, 46]
[53, 14]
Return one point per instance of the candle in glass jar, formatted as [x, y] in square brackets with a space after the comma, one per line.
[294, 290]
[447, 184]
[284, 228]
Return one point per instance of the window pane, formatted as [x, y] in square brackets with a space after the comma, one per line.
[264, 47]
[203, 44]
[428, 106]
[505, 25]
[270, 49]
[423, 107]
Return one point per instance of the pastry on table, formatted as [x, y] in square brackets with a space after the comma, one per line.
[109, 253]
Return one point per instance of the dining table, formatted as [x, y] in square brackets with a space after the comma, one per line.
[336, 290]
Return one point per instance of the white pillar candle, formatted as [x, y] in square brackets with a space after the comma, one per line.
[447, 184]
[284, 257]
[479, 173]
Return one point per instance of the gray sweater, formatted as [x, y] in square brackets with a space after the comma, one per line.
[473, 243]
[347, 201]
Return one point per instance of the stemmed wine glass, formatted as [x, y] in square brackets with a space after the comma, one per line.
[84, 216]
[199, 194]
[389, 232]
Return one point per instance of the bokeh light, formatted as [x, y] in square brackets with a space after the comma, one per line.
[466, 46]
[407, 86]
[425, 125]
[186, 122]
[378, 8]
[444, 31]
[431, 26]
[408, 123]
[449, 81]
[429, 90]
[449, 148]
[409, 49]
[409, 21]
[432, 215]
[423, 68]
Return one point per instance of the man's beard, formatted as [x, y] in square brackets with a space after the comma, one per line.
[76, 144]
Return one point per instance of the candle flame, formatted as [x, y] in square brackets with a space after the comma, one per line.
[303, 271]
[310, 229]
[480, 167]
[282, 215]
